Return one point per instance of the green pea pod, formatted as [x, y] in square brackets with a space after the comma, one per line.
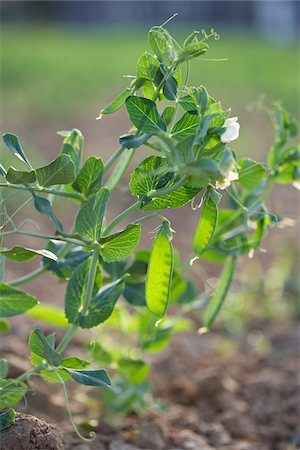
[219, 295]
[160, 271]
[206, 227]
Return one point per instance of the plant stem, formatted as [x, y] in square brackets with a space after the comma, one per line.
[46, 236]
[42, 190]
[90, 282]
[120, 170]
[66, 339]
[133, 208]
[168, 189]
[113, 158]
[29, 277]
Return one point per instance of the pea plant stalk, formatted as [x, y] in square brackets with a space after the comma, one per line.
[190, 135]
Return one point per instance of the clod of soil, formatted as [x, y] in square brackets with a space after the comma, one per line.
[31, 433]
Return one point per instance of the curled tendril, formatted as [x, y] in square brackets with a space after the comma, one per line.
[212, 34]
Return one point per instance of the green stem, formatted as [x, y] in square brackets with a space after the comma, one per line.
[120, 170]
[29, 277]
[26, 375]
[46, 236]
[168, 189]
[133, 208]
[66, 339]
[113, 158]
[90, 282]
[42, 190]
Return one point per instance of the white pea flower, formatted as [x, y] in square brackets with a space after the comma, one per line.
[226, 180]
[296, 184]
[232, 130]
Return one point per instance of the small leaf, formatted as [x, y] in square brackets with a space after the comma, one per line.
[170, 88]
[160, 270]
[168, 114]
[206, 227]
[185, 127]
[90, 377]
[89, 219]
[144, 115]
[13, 143]
[88, 181]
[117, 103]
[3, 368]
[220, 293]
[75, 291]
[7, 419]
[13, 301]
[102, 305]
[147, 67]
[59, 171]
[14, 176]
[21, 254]
[120, 245]
[39, 345]
[68, 149]
[192, 50]
[73, 362]
[11, 392]
[161, 43]
[44, 207]
[133, 141]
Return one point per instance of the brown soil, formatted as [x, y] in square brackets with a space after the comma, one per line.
[31, 433]
[220, 393]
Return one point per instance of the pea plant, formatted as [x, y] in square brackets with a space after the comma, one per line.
[189, 135]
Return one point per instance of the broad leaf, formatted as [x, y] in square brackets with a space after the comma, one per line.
[39, 345]
[21, 254]
[88, 181]
[7, 419]
[13, 143]
[90, 377]
[160, 270]
[147, 66]
[59, 171]
[120, 245]
[11, 392]
[90, 217]
[75, 291]
[185, 127]
[14, 302]
[14, 176]
[153, 174]
[44, 207]
[161, 43]
[144, 115]
[220, 293]
[251, 173]
[102, 305]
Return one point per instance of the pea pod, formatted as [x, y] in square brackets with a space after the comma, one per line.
[206, 227]
[219, 295]
[160, 271]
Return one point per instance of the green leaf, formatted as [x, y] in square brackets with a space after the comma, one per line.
[43, 206]
[220, 293]
[152, 174]
[161, 43]
[160, 270]
[134, 293]
[14, 176]
[117, 103]
[65, 266]
[206, 227]
[90, 217]
[73, 362]
[49, 314]
[3, 368]
[59, 171]
[11, 392]
[88, 181]
[133, 141]
[39, 345]
[90, 377]
[68, 149]
[192, 50]
[4, 326]
[185, 127]
[170, 88]
[144, 115]
[13, 143]
[251, 173]
[168, 114]
[147, 66]
[120, 245]
[13, 301]
[102, 305]
[21, 254]
[120, 168]
[75, 291]
[7, 419]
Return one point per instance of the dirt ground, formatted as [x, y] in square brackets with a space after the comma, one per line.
[218, 394]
